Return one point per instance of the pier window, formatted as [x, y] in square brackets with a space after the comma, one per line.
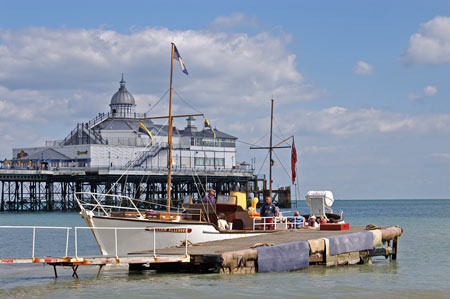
[199, 162]
[220, 162]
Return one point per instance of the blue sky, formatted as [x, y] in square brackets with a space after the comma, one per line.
[362, 85]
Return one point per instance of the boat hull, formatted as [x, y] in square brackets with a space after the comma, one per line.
[143, 235]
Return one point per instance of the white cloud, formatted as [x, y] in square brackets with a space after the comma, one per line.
[444, 156]
[431, 45]
[315, 149]
[235, 20]
[54, 76]
[363, 68]
[428, 91]
[339, 121]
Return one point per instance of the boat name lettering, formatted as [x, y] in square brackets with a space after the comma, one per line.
[169, 230]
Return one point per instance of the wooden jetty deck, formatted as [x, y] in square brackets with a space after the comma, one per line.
[224, 246]
[243, 255]
[240, 255]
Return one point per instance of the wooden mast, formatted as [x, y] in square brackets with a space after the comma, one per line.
[169, 158]
[272, 147]
[270, 150]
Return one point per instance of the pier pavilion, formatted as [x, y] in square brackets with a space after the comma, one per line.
[95, 155]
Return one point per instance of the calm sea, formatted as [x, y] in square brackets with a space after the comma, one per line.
[422, 268]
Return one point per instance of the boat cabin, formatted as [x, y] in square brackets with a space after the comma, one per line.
[234, 206]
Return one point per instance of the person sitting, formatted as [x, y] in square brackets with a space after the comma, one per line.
[210, 198]
[268, 209]
[221, 222]
[312, 222]
[297, 221]
[322, 220]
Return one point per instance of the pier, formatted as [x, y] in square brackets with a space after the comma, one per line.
[53, 190]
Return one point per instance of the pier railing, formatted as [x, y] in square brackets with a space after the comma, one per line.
[34, 228]
[116, 239]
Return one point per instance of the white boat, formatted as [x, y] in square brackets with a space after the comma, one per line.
[145, 230]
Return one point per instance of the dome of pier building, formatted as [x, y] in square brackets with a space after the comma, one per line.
[122, 102]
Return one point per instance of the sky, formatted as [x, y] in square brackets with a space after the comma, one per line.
[361, 85]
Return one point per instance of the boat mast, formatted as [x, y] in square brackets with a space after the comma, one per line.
[270, 151]
[169, 158]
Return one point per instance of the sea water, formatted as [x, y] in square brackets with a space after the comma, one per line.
[421, 270]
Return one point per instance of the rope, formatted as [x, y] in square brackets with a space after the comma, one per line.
[151, 107]
[190, 106]
[128, 168]
[262, 164]
[279, 160]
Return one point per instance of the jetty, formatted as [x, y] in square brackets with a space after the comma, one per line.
[269, 252]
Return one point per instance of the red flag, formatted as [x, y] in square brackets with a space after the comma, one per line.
[293, 161]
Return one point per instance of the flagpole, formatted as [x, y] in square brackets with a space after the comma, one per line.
[169, 158]
[270, 149]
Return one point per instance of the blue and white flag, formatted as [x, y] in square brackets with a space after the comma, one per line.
[177, 56]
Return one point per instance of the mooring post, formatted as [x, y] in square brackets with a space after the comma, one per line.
[74, 269]
[54, 270]
[395, 248]
[99, 270]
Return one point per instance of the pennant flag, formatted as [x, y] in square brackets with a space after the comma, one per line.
[293, 161]
[143, 129]
[177, 56]
[208, 125]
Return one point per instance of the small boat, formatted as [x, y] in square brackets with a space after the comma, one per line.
[121, 230]
[142, 229]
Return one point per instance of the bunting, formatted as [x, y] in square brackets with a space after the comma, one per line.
[208, 125]
[143, 129]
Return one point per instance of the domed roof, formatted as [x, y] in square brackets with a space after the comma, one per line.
[122, 96]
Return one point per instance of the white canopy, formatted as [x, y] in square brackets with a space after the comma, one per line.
[326, 196]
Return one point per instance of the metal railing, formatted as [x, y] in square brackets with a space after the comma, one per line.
[154, 229]
[99, 207]
[41, 227]
[116, 241]
[278, 222]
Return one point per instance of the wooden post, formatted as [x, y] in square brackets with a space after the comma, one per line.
[395, 248]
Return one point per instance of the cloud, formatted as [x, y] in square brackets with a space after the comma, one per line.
[315, 149]
[442, 156]
[64, 76]
[342, 122]
[363, 68]
[428, 91]
[431, 45]
[235, 20]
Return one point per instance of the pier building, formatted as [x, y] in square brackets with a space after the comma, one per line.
[110, 153]
[113, 140]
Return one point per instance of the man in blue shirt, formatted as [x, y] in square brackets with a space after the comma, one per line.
[268, 209]
[210, 198]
